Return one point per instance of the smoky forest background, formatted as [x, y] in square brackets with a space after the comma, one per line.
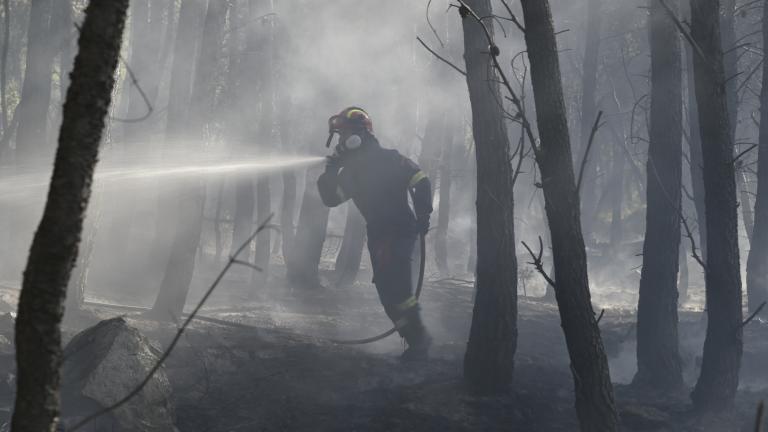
[597, 258]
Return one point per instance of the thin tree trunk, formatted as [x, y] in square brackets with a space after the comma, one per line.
[595, 405]
[696, 162]
[55, 245]
[67, 29]
[489, 359]
[589, 112]
[191, 15]
[190, 196]
[730, 64]
[683, 281]
[351, 251]
[757, 260]
[719, 379]
[658, 355]
[4, 64]
[617, 192]
[444, 207]
[310, 235]
[32, 131]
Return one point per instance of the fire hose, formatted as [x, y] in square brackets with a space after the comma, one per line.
[396, 327]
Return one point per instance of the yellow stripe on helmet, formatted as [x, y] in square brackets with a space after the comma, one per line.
[351, 112]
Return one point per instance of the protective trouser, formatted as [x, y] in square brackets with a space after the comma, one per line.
[392, 260]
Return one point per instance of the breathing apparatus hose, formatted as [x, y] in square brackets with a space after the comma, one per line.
[419, 286]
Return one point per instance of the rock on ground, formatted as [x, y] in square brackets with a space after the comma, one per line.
[104, 363]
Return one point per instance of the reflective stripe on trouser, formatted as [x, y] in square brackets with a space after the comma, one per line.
[392, 261]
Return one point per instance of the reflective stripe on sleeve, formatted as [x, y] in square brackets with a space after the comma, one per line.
[407, 304]
[419, 176]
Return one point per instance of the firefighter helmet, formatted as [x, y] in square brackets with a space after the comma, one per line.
[350, 118]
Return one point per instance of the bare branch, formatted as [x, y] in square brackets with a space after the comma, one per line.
[595, 127]
[456, 68]
[537, 262]
[429, 23]
[751, 317]
[176, 338]
[512, 16]
[749, 149]
[694, 250]
[143, 95]
[759, 417]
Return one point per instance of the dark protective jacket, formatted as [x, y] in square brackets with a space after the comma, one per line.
[378, 181]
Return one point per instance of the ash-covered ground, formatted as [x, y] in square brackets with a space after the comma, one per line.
[273, 368]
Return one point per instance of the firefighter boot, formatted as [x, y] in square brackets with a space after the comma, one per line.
[416, 337]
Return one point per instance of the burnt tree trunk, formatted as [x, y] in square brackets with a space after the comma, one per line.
[190, 198]
[444, 206]
[303, 270]
[696, 162]
[594, 393]
[731, 67]
[719, 379]
[489, 360]
[757, 260]
[617, 192]
[658, 355]
[589, 194]
[55, 245]
[191, 14]
[32, 131]
[351, 251]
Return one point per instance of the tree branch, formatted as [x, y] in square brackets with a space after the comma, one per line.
[595, 127]
[232, 260]
[456, 68]
[537, 262]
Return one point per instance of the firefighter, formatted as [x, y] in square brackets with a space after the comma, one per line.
[379, 181]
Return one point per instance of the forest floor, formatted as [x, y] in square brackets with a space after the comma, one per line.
[275, 371]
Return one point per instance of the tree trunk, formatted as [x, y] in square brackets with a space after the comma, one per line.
[658, 355]
[4, 64]
[351, 251]
[32, 132]
[310, 235]
[191, 15]
[589, 194]
[683, 281]
[719, 379]
[730, 64]
[594, 393]
[757, 260]
[696, 162]
[489, 360]
[189, 200]
[66, 28]
[444, 206]
[55, 245]
[617, 192]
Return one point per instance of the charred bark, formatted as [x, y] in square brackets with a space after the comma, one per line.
[719, 379]
[658, 355]
[595, 405]
[757, 260]
[489, 359]
[55, 245]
